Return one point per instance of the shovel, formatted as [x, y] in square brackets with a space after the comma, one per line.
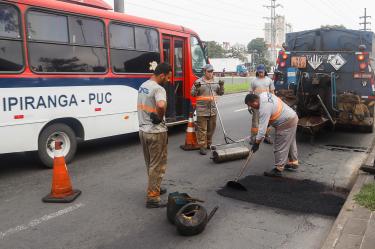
[235, 184]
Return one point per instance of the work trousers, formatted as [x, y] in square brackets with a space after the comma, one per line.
[155, 154]
[206, 126]
[285, 147]
[255, 124]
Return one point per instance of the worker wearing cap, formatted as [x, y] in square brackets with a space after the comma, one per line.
[152, 104]
[205, 90]
[260, 84]
[272, 110]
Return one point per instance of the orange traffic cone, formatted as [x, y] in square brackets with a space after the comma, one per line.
[191, 142]
[61, 185]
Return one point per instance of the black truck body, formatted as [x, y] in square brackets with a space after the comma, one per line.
[328, 76]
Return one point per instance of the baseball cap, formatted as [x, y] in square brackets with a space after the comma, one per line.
[208, 67]
[261, 68]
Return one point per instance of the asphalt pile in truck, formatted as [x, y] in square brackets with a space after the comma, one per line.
[289, 194]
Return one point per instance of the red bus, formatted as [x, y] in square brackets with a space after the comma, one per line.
[70, 70]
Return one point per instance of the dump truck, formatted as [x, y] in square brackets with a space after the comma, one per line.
[327, 75]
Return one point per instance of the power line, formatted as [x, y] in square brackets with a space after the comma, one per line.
[272, 19]
[202, 18]
[365, 22]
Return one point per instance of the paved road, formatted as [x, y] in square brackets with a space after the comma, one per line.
[110, 214]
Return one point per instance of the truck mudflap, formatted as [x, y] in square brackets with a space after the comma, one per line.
[353, 111]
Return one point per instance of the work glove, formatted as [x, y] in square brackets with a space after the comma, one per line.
[221, 83]
[155, 118]
[197, 85]
[255, 147]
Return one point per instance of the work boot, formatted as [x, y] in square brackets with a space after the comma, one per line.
[163, 190]
[268, 140]
[291, 167]
[273, 173]
[203, 151]
[155, 204]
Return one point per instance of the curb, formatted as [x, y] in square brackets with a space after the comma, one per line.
[346, 210]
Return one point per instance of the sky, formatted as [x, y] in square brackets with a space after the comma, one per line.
[240, 21]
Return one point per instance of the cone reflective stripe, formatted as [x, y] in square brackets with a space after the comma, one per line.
[62, 190]
[191, 142]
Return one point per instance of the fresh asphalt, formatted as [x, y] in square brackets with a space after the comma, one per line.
[110, 213]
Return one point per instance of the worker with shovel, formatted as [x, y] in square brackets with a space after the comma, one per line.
[260, 84]
[273, 111]
[205, 90]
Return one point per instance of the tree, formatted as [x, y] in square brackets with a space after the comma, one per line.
[333, 26]
[238, 51]
[257, 44]
[258, 48]
[215, 50]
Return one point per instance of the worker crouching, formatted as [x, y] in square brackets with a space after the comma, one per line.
[273, 111]
[206, 90]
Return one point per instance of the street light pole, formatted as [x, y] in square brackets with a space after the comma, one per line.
[119, 6]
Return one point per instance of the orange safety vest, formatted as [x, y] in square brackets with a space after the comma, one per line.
[277, 114]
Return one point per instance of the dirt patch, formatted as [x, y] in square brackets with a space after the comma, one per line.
[290, 194]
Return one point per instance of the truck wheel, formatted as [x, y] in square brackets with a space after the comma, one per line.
[46, 143]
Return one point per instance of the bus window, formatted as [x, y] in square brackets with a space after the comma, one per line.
[82, 51]
[47, 27]
[146, 39]
[197, 56]
[133, 49]
[178, 58]
[11, 58]
[123, 38]
[84, 31]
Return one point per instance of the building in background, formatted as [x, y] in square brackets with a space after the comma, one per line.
[281, 28]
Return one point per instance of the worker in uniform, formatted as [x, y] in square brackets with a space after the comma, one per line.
[152, 105]
[260, 84]
[205, 90]
[272, 110]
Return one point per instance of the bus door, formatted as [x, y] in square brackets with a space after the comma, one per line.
[174, 54]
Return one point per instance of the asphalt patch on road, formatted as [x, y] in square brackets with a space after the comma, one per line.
[289, 194]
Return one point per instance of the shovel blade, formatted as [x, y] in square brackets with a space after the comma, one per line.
[236, 185]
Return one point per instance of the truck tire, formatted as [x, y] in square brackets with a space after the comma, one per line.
[46, 145]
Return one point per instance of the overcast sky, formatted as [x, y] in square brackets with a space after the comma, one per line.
[242, 20]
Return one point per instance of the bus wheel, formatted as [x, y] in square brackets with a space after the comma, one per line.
[46, 143]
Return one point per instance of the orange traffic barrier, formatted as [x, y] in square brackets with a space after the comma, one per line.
[191, 142]
[62, 190]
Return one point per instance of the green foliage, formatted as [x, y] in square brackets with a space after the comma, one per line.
[366, 197]
[215, 50]
[333, 26]
[258, 45]
[258, 48]
[235, 88]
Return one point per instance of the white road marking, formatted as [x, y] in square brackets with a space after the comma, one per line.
[240, 110]
[36, 222]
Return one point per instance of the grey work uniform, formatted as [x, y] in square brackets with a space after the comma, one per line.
[274, 111]
[153, 136]
[258, 86]
[206, 109]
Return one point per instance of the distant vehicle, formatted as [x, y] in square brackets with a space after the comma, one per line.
[328, 75]
[241, 70]
[70, 70]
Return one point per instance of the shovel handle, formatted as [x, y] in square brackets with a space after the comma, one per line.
[244, 166]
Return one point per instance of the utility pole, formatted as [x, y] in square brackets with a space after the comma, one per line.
[272, 19]
[365, 22]
[119, 6]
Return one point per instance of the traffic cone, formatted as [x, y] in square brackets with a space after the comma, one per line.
[191, 142]
[61, 185]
